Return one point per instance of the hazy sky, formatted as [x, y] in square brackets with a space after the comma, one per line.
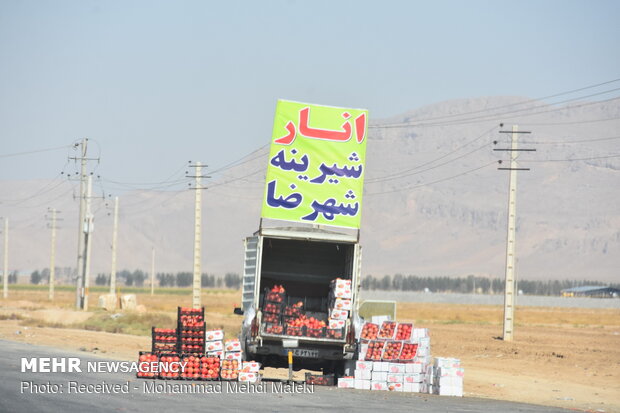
[157, 83]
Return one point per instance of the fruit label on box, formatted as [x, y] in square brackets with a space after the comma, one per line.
[396, 368]
[214, 346]
[346, 383]
[447, 362]
[362, 384]
[394, 378]
[218, 353]
[236, 355]
[250, 366]
[379, 376]
[338, 314]
[342, 304]
[251, 377]
[232, 345]
[378, 385]
[363, 365]
[450, 372]
[413, 378]
[213, 335]
[336, 323]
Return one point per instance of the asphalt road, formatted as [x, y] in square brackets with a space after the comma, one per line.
[18, 393]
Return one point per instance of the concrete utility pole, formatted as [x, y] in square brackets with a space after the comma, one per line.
[5, 288]
[88, 229]
[152, 270]
[114, 238]
[511, 280]
[53, 256]
[81, 250]
[196, 303]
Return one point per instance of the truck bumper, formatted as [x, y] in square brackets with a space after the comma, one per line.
[305, 350]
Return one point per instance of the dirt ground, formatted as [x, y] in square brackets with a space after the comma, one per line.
[560, 357]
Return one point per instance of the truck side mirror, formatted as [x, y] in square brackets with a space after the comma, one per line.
[238, 311]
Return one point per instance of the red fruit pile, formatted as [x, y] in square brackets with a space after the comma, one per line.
[334, 333]
[294, 331]
[370, 331]
[403, 331]
[375, 349]
[272, 308]
[144, 365]
[191, 320]
[209, 368]
[392, 350]
[271, 318]
[274, 329]
[408, 352]
[192, 368]
[168, 370]
[387, 330]
[276, 294]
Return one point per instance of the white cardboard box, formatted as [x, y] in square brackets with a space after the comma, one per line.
[346, 383]
[232, 345]
[378, 385]
[414, 367]
[251, 377]
[380, 366]
[214, 346]
[250, 367]
[362, 384]
[233, 355]
[213, 335]
[450, 391]
[379, 376]
[449, 382]
[450, 372]
[342, 304]
[413, 378]
[338, 314]
[395, 378]
[447, 362]
[412, 387]
[396, 368]
[395, 387]
[218, 353]
[363, 365]
[363, 374]
[336, 323]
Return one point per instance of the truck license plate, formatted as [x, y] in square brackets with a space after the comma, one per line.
[304, 352]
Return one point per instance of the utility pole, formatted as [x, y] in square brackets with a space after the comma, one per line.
[5, 288]
[510, 289]
[152, 270]
[114, 238]
[88, 229]
[52, 278]
[196, 303]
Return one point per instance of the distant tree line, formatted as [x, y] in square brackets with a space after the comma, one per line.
[138, 278]
[469, 284]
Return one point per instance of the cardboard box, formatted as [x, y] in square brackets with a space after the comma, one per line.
[379, 376]
[395, 378]
[213, 335]
[362, 384]
[211, 346]
[449, 381]
[363, 365]
[378, 385]
[232, 345]
[250, 367]
[251, 377]
[336, 323]
[414, 367]
[362, 352]
[338, 314]
[397, 368]
[450, 372]
[423, 352]
[447, 362]
[413, 387]
[341, 288]
[380, 366]
[450, 391]
[395, 387]
[346, 383]
[363, 374]
[342, 304]
[413, 377]
[233, 355]
[419, 333]
[219, 353]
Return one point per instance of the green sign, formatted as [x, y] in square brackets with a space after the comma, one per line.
[316, 166]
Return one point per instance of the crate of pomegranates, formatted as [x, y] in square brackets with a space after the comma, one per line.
[320, 379]
[276, 294]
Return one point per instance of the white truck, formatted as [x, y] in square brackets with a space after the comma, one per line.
[304, 261]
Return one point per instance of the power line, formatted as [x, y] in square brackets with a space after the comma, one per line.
[574, 141]
[399, 174]
[507, 106]
[432, 182]
[235, 163]
[8, 155]
[575, 159]
[500, 115]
